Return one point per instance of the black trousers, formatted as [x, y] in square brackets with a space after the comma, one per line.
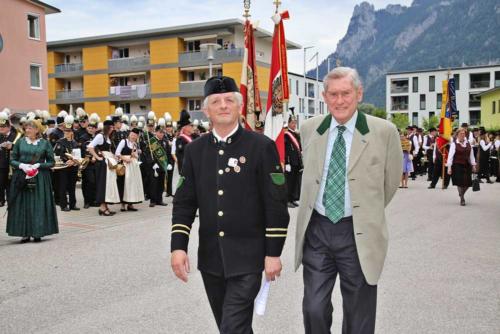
[147, 174]
[437, 173]
[330, 249]
[66, 183]
[89, 184]
[293, 183]
[231, 300]
[4, 184]
[430, 165]
[157, 186]
[170, 177]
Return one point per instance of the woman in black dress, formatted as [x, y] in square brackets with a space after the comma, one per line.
[485, 146]
[460, 163]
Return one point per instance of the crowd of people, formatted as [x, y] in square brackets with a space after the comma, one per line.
[121, 160]
[470, 153]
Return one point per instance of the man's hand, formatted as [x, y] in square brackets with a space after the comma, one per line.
[272, 267]
[449, 171]
[180, 264]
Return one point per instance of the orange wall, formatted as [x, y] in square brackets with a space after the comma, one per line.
[165, 51]
[15, 58]
[96, 58]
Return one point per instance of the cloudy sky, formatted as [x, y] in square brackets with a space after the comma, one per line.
[319, 23]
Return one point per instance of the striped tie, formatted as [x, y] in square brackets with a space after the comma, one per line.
[334, 194]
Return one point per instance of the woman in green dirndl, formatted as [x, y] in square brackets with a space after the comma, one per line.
[32, 210]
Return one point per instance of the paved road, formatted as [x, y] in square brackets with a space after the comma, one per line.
[100, 275]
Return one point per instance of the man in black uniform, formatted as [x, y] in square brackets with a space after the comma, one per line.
[158, 180]
[293, 161]
[66, 177]
[88, 174]
[119, 134]
[428, 146]
[58, 132]
[235, 179]
[169, 139]
[147, 158]
[8, 135]
[185, 137]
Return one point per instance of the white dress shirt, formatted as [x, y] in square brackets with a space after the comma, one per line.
[219, 138]
[98, 140]
[332, 135]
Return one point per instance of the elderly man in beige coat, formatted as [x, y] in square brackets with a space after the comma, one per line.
[352, 167]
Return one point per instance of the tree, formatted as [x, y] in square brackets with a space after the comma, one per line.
[400, 121]
[370, 109]
[380, 113]
[431, 122]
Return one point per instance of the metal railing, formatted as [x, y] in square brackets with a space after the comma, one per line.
[399, 106]
[480, 84]
[133, 92]
[399, 89]
[128, 63]
[198, 58]
[69, 94]
[191, 88]
[70, 67]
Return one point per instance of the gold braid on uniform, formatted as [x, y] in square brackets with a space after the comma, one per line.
[181, 228]
[276, 232]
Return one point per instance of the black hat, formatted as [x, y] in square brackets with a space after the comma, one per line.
[59, 120]
[51, 122]
[158, 128]
[116, 119]
[108, 122]
[83, 118]
[185, 118]
[465, 125]
[137, 131]
[432, 129]
[220, 84]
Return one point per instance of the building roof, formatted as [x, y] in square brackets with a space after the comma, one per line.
[48, 8]
[444, 69]
[307, 76]
[182, 29]
[490, 91]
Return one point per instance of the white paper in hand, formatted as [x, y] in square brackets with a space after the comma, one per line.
[261, 300]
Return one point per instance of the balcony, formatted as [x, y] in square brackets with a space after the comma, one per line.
[399, 107]
[69, 95]
[399, 89]
[127, 93]
[199, 58]
[191, 88]
[69, 69]
[127, 64]
[480, 84]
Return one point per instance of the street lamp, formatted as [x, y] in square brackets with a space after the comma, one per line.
[316, 96]
[211, 48]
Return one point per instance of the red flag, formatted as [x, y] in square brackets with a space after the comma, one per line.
[249, 87]
[278, 86]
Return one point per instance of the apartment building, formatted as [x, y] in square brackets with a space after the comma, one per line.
[306, 96]
[490, 108]
[163, 70]
[419, 93]
[23, 55]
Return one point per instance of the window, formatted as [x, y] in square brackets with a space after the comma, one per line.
[475, 117]
[399, 103]
[321, 107]
[123, 53]
[400, 86]
[194, 104]
[190, 76]
[68, 85]
[125, 107]
[432, 83]
[414, 85]
[1, 43]
[123, 81]
[301, 105]
[431, 114]
[422, 101]
[297, 87]
[497, 74]
[474, 100]
[494, 107]
[480, 80]
[310, 90]
[457, 81]
[220, 41]
[193, 46]
[414, 118]
[33, 26]
[439, 100]
[310, 105]
[36, 76]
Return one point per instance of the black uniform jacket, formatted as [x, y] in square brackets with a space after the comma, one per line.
[239, 189]
[293, 155]
[64, 146]
[4, 152]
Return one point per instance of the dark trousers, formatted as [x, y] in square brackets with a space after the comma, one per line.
[66, 183]
[4, 184]
[231, 300]
[89, 184]
[430, 165]
[147, 174]
[157, 186]
[437, 173]
[330, 249]
[170, 177]
[293, 183]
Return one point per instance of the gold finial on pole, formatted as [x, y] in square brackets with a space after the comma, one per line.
[246, 5]
[277, 3]
[338, 63]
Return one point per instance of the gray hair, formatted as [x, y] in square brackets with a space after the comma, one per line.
[237, 96]
[342, 72]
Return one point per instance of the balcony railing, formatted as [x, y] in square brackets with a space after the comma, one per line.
[69, 94]
[399, 106]
[198, 58]
[399, 89]
[480, 84]
[133, 92]
[68, 68]
[191, 88]
[118, 64]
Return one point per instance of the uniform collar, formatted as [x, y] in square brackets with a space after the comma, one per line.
[361, 123]
[230, 139]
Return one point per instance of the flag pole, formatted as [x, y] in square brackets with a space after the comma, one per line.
[444, 153]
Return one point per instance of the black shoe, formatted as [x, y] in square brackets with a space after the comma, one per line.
[131, 208]
[462, 201]
[429, 179]
[65, 209]
[162, 204]
[86, 206]
[25, 240]
[431, 187]
[152, 205]
[37, 239]
[2, 204]
[94, 205]
[75, 208]
[123, 210]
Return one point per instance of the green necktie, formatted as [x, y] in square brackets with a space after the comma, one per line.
[334, 194]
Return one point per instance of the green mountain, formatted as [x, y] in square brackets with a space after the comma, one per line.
[427, 35]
